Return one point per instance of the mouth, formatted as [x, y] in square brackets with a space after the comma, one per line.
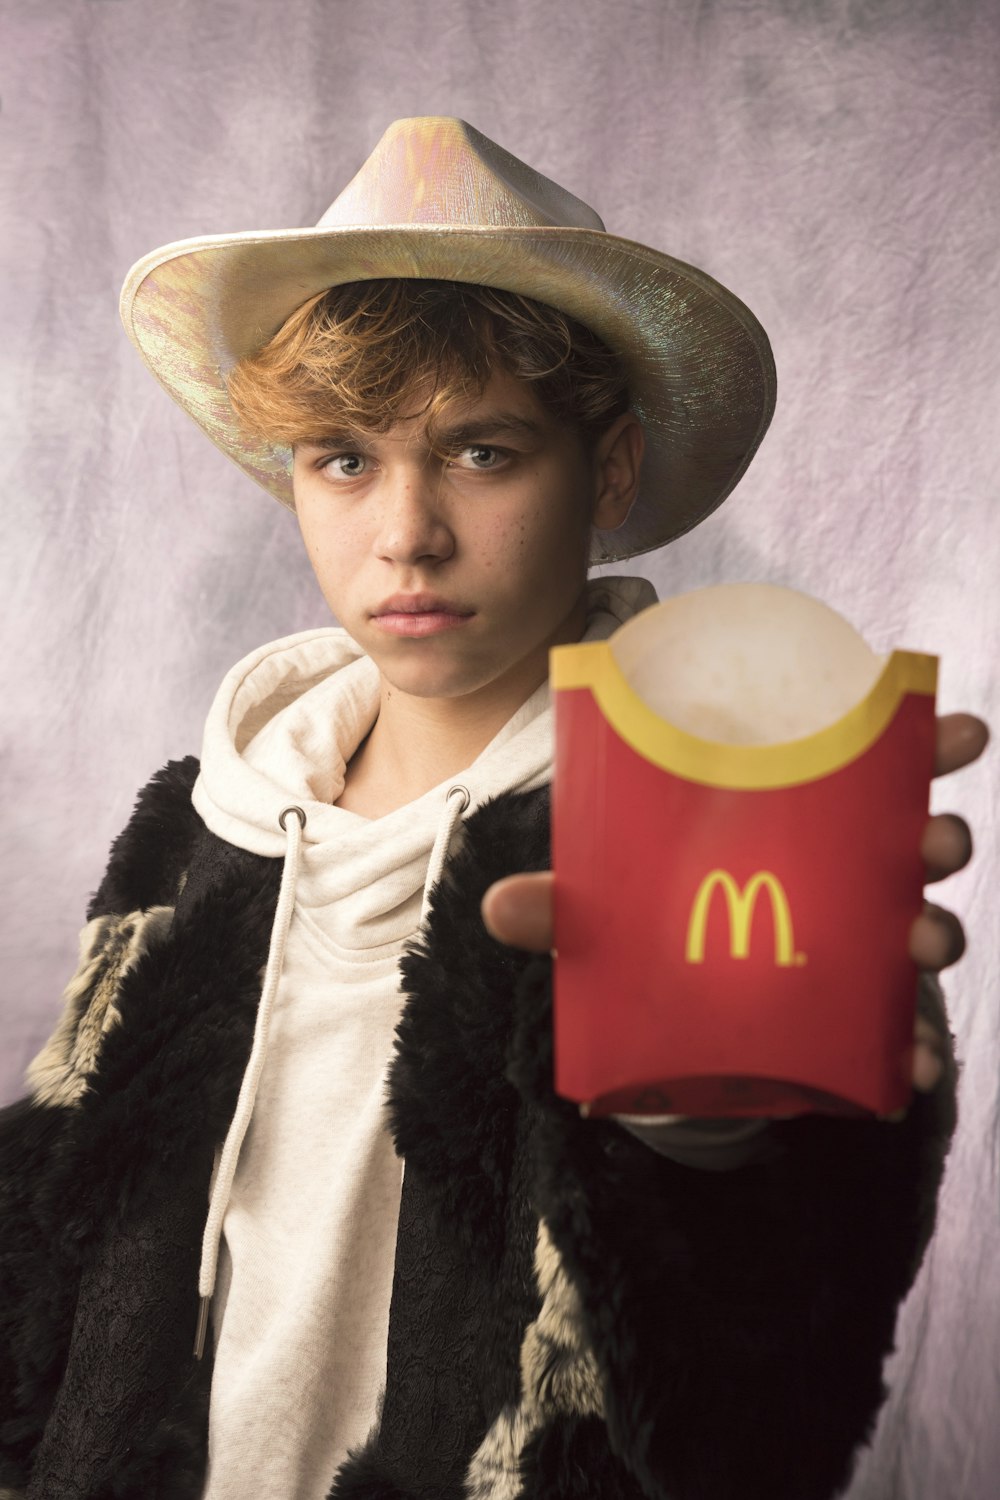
[419, 614]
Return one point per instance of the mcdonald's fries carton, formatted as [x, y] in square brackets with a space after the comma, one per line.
[739, 795]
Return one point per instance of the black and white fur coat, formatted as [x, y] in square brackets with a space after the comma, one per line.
[572, 1314]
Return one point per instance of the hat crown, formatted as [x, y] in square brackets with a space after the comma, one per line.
[436, 170]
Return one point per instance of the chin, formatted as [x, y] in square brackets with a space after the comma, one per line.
[428, 678]
[435, 684]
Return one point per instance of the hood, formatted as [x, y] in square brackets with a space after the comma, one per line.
[287, 719]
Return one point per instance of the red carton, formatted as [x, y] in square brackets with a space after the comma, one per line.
[732, 920]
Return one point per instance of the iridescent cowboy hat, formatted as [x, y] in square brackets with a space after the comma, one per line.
[437, 200]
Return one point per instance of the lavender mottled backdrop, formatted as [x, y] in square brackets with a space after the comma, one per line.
[835, 162]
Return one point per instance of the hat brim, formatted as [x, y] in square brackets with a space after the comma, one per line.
[701, 374]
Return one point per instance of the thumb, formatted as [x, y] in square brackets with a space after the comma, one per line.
[518, 911]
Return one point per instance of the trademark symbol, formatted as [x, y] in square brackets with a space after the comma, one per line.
[800, 958]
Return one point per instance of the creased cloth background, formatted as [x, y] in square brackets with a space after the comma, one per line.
[835, 163]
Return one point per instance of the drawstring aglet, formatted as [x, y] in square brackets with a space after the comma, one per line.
[202, 1329]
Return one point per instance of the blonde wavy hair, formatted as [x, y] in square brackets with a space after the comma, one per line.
[355, 356]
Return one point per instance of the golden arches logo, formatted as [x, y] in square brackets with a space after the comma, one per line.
[740, 906]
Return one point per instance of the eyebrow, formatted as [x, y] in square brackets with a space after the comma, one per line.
[489, 423]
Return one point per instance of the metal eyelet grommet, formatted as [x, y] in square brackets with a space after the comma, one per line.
[284, 813]
[463, 792]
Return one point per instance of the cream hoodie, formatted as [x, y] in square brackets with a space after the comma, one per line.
[305, 1205]
[301, 1305]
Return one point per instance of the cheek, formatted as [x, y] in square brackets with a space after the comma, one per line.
[331, 548]
[548, 545]
[538, 572]
[504, 543]
[318, 551]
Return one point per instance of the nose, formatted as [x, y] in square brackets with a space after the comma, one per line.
[412, 524]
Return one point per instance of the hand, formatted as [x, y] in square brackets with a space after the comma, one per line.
[518, 910]
[937, 937]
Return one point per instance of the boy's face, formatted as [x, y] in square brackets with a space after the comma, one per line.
[457, 574]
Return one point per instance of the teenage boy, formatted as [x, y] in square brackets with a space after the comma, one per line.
[445, 380]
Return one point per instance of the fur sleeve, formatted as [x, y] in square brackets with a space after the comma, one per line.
[739, 1319]
[130, 913]
[39, 1269]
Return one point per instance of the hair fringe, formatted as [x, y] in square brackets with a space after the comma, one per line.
[354, 357]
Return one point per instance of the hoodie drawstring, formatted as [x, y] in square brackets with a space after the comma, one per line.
[457, 801]
[226, 1169]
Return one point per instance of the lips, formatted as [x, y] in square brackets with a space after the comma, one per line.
[419, 615]
[419, 604]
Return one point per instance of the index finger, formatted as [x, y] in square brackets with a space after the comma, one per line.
[961, 739]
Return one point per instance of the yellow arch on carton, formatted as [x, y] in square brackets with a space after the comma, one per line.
[743, 767]
[740, 904]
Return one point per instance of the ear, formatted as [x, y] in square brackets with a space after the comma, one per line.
[617, 462]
